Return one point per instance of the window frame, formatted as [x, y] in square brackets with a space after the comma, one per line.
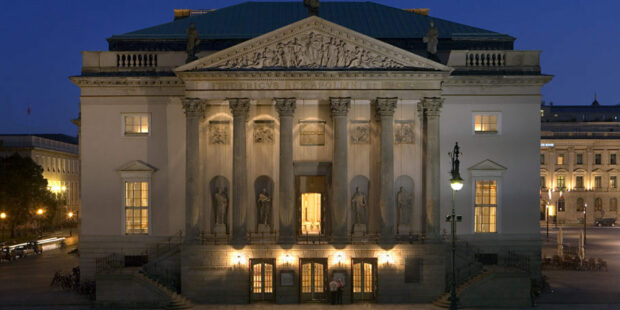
[579, 159]
[487, 113]
[124, 133]
[598, 159]
[497, 205]
[136, 176]
[613, 159]
[562, 161]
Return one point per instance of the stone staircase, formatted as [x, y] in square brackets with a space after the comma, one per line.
[444, 300]
[177, 301]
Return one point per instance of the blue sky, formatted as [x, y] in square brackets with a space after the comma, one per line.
[42, 40]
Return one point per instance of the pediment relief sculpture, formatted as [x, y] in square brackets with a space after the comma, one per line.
[310, 51]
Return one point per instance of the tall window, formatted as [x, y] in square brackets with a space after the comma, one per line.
[612, 159]
[136, 124]
[486, 122]
[580, 205]
[598, 204]
[560, 181]
[561, 205]
[613, 181]
[613, 204]
[485, 208]
[136, 207]
[579, 181]
[597, 159]
[598, 183]
[579, 159]
[543, 181]
[542, 159]
[560, 159]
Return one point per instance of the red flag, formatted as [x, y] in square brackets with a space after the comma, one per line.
[28, 111]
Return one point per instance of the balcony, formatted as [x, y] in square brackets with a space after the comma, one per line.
[501, 61]
[147, 61]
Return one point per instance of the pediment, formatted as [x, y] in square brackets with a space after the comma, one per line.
[579, 170]
[313, 44]
[136, 166]
[487, 164]
[597, 170]
[561, 170]
[612, 170]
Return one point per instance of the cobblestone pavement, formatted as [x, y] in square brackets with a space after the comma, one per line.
[585, 287]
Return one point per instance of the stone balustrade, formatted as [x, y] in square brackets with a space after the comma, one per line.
[494, 60]
[126, 61]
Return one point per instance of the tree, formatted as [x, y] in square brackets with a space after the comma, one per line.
[23, 190]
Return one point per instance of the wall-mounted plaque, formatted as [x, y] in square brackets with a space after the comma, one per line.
[263, 131]
[287, 278]
[403, 132]
[219, 132]
[312, 133]
[360, 132]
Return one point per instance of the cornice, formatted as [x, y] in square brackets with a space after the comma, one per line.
[371, 74]
[538, 80]
[144, 81]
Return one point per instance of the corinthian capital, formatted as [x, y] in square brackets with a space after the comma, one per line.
[285, 106]
[239, 106]
[340, 105]
[194, 107]
[386, 106]
[432, 105]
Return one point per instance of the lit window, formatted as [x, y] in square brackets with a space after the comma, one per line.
[136, 124]
[613, 181]
[560, 182]
[311, 214]
[136, 207]
[485, 208]
[486, 122]
[561, 159]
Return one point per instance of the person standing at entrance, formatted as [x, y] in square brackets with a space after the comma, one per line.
[333, 291]
[340, 291]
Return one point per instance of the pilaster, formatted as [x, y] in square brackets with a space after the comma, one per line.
[286, 110]
[339, 205]
[194, 112]
[385, 108]
[239, 108]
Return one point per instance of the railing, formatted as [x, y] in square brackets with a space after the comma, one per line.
[495, 60]
[512, 259]
[110, 262]
[127, 61]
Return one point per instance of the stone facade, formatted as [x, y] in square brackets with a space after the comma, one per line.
[266, 118]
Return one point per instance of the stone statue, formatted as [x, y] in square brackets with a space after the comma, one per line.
[313, 7]
[402, 201]
[193, 40]
[221, 205]
[431, 39]
[264, 207]
[358, 204]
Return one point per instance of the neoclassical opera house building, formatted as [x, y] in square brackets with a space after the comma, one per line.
[256, 152]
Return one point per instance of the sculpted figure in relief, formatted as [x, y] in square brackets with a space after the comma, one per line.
[402, 201]
[358, 204]
[404, 133]
[221, 205]
[264, 207]
[360, 134]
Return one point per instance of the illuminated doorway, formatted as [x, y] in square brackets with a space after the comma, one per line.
[313, 279]
[311, 207]
[364, 279]
[262, 275]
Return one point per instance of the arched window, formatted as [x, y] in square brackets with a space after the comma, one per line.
[613, 204]
[580, 205]
[561, 205]
[598, 204]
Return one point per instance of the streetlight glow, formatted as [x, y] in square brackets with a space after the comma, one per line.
[2, 215]
[40, 211]
[70, 214]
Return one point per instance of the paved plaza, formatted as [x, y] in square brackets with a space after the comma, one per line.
[24, 283]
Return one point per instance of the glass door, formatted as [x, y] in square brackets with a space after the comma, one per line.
[364, 279]
[313, 279]
[262, 274]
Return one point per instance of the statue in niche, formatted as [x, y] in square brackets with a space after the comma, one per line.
[221, 206]
[193, 40]
[313, 7]
[264, 207]
[431, 39]
[358, 204]
[402, 201]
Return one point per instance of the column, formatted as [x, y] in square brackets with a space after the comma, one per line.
[194, 112]
[239, 108]
[286, 110]
[385, 112]
[339, 203]
[431, 107]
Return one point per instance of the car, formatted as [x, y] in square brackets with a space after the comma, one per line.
[605, 222]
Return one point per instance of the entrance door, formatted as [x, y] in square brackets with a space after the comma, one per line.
[364, 279]
[262, 273]
[313, 279]
[311, 206]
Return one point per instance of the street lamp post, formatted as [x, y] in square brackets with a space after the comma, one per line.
[547, 211]
[456, 183]
[585, 207]
[2, 218]
[40, 219]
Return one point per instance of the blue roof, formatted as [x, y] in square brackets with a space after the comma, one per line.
[251, 19]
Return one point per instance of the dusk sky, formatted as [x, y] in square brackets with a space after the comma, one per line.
[42, 40]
